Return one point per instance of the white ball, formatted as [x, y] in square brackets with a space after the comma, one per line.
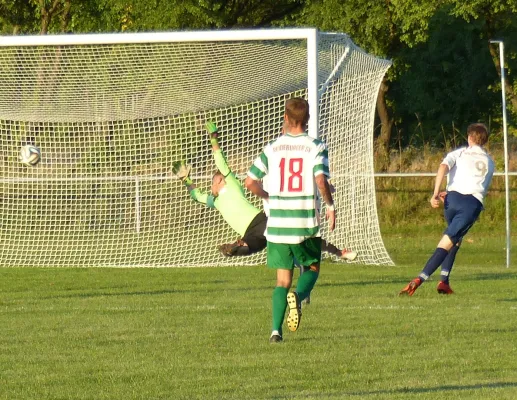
[30, 155]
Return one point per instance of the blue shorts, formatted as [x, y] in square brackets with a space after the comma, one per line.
[461, 211]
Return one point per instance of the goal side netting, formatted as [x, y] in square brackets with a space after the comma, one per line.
[111, 118]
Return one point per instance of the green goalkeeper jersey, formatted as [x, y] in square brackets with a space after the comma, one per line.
[231, 202]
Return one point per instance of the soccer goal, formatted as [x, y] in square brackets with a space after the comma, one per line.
[111, 113]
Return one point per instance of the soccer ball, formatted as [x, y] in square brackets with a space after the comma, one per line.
[30, 155]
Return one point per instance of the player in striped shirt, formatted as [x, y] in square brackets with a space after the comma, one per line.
[296, 167]
[470, 170]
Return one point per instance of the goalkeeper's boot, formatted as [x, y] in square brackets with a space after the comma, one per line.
[295, 311]
[238, 248]
[348, 255]
[226, 249]
[411, 287]
[275, 337]
[444, 288]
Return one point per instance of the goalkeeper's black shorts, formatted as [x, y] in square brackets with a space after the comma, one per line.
[255, 234]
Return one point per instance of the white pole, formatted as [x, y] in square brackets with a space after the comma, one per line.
[505, 130]
[312, 83]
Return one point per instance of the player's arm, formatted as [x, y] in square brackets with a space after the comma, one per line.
[324, 189]
[213, 133]
[201, 196]
[446, 165]
[443, 170]
[326, 194]
[256, 188]
[182, 172]
[257, 172]
[219, 157]
[321, 175]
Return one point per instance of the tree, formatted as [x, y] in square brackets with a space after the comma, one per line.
[498, 20]
[384, 28]
[447, 81]
[17, 16]
[213, 14]
[35, 16]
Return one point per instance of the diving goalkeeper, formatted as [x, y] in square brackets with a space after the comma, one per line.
[228, 197]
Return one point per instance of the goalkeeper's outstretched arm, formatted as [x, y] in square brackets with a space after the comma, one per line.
[182, 172]
[219, 157]
[213, 133]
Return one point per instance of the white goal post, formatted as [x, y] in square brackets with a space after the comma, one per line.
[112, 112]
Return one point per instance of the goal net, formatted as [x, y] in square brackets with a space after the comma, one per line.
[111, 113]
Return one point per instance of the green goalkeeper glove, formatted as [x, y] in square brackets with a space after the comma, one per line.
[211, 127]
[182, 172]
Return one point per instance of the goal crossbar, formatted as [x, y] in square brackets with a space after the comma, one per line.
[159, 37]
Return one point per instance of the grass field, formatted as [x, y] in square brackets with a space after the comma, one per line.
[202, 333]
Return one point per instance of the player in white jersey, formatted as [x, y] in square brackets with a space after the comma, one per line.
[296, 166]
[470, 170]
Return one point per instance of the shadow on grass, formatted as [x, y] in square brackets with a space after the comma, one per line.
[493, 277]
[109, 294]
[151, 292]
[444, 388]
[401, 281]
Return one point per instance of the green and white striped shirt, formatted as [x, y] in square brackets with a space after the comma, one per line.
[291, 163]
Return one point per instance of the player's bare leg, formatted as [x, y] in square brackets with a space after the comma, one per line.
[344, 254]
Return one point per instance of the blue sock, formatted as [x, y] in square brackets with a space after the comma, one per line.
[447, 264]
[433, 263]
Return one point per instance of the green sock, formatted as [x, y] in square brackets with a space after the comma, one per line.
[305, 284]
[279, 307]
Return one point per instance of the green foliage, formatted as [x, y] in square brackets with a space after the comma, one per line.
[498, 21]
[442, 70]
[17, 16]
[446, 83]
[484, 9]
[157, 15]
[379, 28]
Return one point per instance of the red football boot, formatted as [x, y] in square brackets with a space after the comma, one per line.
[444, 288]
